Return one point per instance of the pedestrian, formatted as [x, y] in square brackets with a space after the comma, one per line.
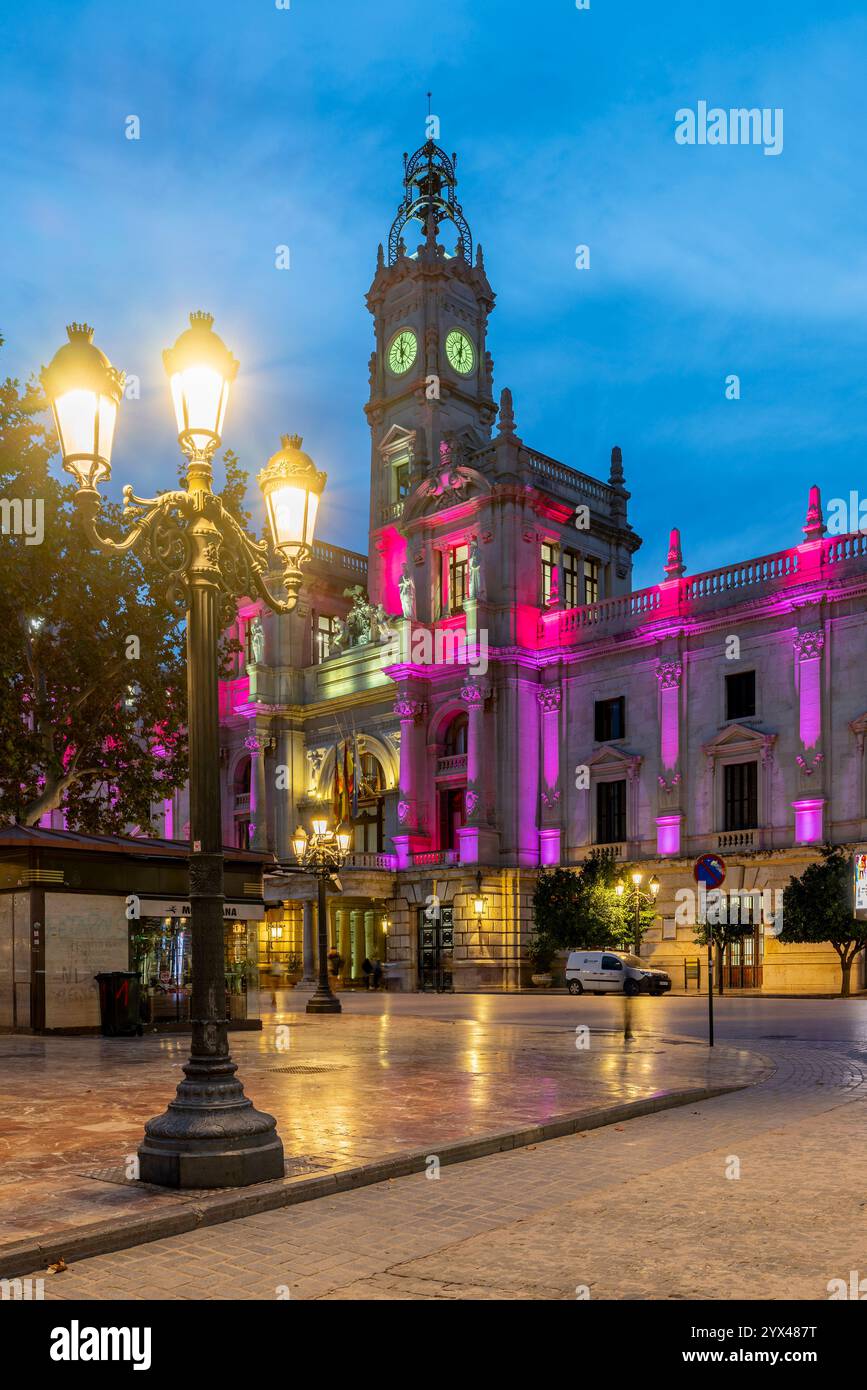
[335, 960]
[367, 971]
[377, 972]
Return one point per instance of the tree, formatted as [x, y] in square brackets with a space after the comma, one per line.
[92, 662]
[580, 909]
[817, 907]
[719, 929]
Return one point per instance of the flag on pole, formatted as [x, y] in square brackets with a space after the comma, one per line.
[356, 775]
[335, 791]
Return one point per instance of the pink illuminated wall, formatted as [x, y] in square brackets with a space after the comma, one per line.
[668, 834]
[808, 819]
[811, 703]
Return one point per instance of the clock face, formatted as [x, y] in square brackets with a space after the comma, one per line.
[460, 352]
[403, 351]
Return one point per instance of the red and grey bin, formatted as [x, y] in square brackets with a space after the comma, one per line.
[119, 999]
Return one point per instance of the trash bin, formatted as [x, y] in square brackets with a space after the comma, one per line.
[119, 1003]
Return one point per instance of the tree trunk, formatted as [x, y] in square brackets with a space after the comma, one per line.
[846, 972]
[49, 799]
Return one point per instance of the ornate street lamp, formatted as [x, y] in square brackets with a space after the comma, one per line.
[639, 900]
[210, 1135]
[323, 853]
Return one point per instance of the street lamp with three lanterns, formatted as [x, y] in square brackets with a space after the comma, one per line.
[210, 1135]
[639, 900]
[322, 854]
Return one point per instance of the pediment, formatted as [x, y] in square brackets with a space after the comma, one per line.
[611, 759]
[737, 738]
[396, 439]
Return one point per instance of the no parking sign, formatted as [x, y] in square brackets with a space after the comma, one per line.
[710, 870]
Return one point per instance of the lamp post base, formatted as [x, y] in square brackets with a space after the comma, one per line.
[210, 1135]
[324, 1004]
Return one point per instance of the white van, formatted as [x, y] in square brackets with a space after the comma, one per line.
[597, 972]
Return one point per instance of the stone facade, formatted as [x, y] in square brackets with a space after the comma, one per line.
[508, 700]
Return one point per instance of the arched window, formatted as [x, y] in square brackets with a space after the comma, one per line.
[367, 825]
[241, 788]
[456, 736]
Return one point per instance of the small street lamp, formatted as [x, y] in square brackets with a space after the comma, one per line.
[210, 1135]
[639, 900]
[323, 853]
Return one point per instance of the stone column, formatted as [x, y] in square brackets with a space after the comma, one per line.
[258, 799]
[478, 840]
[668, 802]
[370, 934]
[283, 811]
[343, 942]
[411, 713]
[356, 918]
[810, 802]
[550, 829]
[308, 950]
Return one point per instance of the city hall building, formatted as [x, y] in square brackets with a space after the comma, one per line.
[485, 694]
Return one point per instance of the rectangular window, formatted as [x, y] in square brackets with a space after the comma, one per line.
[401, 480]
[571, 580]
[741, 695]
[610, 812]
[324, 632]
[550, 559]
[610, 719]
[591, 581]
[458, 562]
[740, 796]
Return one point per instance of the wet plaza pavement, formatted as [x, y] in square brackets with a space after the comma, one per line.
[381, 1079]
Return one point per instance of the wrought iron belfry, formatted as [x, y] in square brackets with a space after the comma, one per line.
[429, 181]
[210, 1135]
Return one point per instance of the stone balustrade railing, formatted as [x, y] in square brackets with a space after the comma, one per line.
[336, 556]
[695, 593]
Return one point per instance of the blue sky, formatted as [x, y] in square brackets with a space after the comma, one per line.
[262, 127]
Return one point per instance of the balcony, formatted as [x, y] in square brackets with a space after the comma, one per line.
[735, 841]
[435, 858]
[368, 860]
[393, 511]
[242, 803]
[453, 766]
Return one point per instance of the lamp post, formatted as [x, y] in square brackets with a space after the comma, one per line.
[210, 1135]
[323, 853]
[639, 900]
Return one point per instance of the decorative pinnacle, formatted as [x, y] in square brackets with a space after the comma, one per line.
[814, 527]
[616, 476]
[79, 330]
[200, 316]
[291, 441]
[675, 568]
[506, 424]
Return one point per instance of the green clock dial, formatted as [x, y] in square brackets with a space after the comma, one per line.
[460, 352]
[403, 351]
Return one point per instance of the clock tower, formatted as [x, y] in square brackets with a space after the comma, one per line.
[431, 376]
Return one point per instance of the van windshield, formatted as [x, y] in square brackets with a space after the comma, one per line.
[631, 960]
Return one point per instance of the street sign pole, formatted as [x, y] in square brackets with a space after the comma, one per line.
[709, 870]
[709, 993]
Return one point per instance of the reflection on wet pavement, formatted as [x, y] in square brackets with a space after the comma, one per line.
[345, 1089]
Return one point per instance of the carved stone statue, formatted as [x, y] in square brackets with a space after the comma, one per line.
[407, 592]
[257, 640]
[476, 585]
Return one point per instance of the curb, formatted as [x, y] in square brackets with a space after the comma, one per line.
[102, 1238]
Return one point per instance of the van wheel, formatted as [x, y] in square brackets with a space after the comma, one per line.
[630, 987]
[576, 987]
